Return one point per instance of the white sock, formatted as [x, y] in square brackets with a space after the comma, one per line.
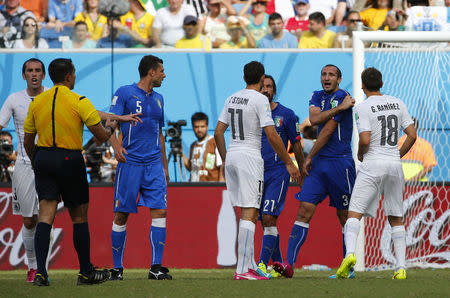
[245, 246]
[351, 231]
[398, 235]
[28, 243]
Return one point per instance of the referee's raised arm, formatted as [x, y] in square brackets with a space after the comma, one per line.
[57, 116]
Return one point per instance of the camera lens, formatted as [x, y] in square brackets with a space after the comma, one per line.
[172, 132]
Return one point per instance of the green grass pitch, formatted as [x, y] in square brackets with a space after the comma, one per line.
[219, 283]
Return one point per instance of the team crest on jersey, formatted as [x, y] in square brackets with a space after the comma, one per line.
[297, 127]
[268, 108]
[278, 121]
[114, 100]
[334, 103]
[356, 117]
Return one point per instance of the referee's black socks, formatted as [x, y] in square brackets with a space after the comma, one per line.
[82, 244]
[41, 245]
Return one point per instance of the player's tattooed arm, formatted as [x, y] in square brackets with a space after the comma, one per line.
[163, 155]
[317, 116]
[321, 141]
[363, 145]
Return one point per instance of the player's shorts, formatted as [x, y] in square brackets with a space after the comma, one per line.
[375, 178]
[61, 174]
[276, 183]
[148, 180]
[25, 200]
[329, 176]
[244, 173]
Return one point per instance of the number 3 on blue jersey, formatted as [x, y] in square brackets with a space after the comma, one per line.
[138, 106]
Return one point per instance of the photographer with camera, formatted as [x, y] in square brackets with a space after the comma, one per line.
[7, 156]
[204, 161]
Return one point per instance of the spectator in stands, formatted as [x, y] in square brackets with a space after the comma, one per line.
[213, 24]
[420, 159]
[375, 16]
[94, 20]
[61, 13]
[345, 39]
[80, 39]
[259, 19]
[326, 7]
[298, 24]
[120, 40]
[240, 36]
[168, 23]
[192, 38]
[422, 17]
[393, 22]
[137, 23]
[199, 6]
[12, 17]
[30, 36]
[318, 37]
[38, 7]
[279, 38]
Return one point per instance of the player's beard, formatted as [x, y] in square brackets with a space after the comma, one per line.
[268, 96]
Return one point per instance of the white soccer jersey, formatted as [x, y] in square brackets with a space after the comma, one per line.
[383, 116]
[246, 112]
[16, 105]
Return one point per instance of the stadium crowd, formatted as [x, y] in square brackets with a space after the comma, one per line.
[206, 24]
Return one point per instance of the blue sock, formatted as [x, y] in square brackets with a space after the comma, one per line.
[296, 239]
[269, 243]
[118, 240]
[157, 240]
[276, 255]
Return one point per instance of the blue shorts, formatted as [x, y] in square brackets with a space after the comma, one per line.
[148, 180]
[276, 183]
[329, 176]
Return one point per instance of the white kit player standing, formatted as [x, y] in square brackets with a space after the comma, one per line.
[379, 119]
[247, 112]
[25, 201]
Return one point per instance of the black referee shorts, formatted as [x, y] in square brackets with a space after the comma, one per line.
[61, 174]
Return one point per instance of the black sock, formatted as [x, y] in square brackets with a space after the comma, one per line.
[41, 246]
[82, 244]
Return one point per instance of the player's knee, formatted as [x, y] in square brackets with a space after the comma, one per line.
[305, 212]
[120, 218]
[268, 220]
[159, 213]
[29, 222]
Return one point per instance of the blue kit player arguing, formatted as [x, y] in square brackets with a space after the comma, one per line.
[276, 176]
[142, 168]
[329, 165]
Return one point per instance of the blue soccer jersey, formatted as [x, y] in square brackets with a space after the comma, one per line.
[286, 126]
[141, 141]
[339, 144]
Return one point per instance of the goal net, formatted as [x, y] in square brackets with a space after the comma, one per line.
[416, 69]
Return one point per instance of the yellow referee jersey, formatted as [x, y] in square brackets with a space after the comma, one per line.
[58, 116]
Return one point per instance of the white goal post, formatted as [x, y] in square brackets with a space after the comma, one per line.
[360, 38]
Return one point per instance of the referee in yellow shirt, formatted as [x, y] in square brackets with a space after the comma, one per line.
[57, 116]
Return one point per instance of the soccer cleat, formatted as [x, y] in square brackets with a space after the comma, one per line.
[116, 274]
[31, 274]
[40, 280]
[94, 277]
[351, 275]
[250, 275]
[285, 269]
[262, 270]
[346, 265]
[159, 272]
[400, 274]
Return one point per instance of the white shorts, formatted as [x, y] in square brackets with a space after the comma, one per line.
[25, 200]
[373, 179]
[244, 175]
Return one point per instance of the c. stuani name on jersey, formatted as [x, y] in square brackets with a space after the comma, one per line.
[385, 107]
[239, 100]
